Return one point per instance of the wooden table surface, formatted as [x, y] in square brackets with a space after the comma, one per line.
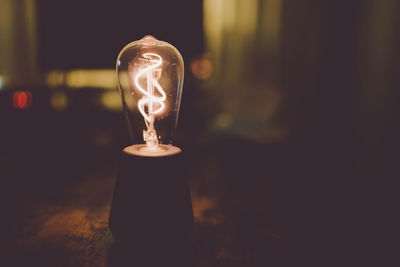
[56, 207]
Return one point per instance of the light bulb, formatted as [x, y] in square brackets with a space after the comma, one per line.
[150, 78]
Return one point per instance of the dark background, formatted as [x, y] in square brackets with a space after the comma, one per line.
[320, 191]
[90, 34]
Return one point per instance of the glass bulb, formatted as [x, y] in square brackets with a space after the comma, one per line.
[150, 78]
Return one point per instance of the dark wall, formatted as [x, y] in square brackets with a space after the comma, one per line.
[90, 34]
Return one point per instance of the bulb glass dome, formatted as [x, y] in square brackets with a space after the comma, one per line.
[150, 78]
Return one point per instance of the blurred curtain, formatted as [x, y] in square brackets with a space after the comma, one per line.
[18, 33]
[378, 79]
[316, 70]
[243, 39]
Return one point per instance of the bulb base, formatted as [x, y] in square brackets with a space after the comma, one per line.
[151, 204]
[156, 150]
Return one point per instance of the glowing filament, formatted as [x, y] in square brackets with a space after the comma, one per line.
[149, 99]
[155, 103]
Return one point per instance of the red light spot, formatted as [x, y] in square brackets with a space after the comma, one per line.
[22, 99]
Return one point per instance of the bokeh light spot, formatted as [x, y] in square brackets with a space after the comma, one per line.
[201, 67]
[22, 99]
[59, 101]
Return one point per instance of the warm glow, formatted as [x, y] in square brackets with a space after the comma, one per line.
[157, 151]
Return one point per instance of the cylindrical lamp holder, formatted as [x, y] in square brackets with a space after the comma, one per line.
[151, 202]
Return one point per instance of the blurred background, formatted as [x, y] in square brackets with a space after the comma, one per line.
[289, 119]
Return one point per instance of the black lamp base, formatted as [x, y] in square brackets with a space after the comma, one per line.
[151, 207]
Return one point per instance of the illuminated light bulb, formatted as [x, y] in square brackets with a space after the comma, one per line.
[150, 78]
